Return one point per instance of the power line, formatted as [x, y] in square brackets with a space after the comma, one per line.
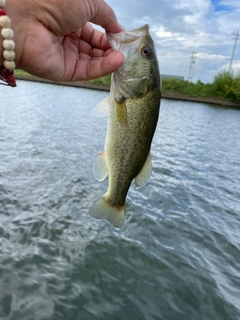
[237, 37]
[191, 68]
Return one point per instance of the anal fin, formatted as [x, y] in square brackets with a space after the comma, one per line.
[99, 169]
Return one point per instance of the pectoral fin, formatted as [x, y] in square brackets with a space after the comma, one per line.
[100, 170]
[102, 108]
[144, 175]
[121, 111]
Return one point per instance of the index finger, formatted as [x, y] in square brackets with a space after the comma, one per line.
[103, 15]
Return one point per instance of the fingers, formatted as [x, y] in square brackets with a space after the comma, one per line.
[88, 68]
[95, 56]
[94, 38]
[103, 15]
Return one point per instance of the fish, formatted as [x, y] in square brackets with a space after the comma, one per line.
[132, 108]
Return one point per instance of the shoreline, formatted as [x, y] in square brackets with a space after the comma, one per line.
[166, 95]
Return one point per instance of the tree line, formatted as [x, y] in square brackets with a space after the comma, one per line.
[225, 86]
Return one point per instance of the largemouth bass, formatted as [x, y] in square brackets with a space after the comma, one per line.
[133, 110]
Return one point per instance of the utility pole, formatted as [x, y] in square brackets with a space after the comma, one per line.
[237, 37]
[191, 68]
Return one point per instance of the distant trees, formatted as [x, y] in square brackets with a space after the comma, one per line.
[104, 81]
[225, 86]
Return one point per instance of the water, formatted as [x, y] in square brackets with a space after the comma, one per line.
[178, 253]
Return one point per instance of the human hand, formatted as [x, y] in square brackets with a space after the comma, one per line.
[54, 39]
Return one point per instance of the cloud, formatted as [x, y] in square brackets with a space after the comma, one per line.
[181, 27]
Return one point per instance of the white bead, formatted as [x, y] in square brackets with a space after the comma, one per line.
[8, 45]
[2, 3]
[5, 22]
[9, 55]
[10, 65]
[7, 33]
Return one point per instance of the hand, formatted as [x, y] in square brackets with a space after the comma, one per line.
[54, 39]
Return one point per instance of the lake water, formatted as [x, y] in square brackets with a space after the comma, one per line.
[177, 256]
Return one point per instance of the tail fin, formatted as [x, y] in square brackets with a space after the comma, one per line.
[101, 209]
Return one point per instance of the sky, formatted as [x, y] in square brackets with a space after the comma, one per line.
[180, 27]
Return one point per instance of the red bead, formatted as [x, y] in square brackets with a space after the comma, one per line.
[7, 76]
[11, 81]
[7, 73]
[2, 12]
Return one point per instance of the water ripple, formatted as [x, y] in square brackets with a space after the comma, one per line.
[178, 254]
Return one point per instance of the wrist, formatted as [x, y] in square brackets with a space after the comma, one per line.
[7, 63]
[1, 50]
[15, 12]
[1, 39]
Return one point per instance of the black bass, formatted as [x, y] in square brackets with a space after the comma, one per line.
[133, 110]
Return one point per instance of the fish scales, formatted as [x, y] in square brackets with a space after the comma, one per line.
[127, 154]
[133, 108]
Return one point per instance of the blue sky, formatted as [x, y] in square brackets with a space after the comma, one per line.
[180, 27]
[220, 7]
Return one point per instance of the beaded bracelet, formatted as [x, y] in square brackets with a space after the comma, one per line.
[7, 70]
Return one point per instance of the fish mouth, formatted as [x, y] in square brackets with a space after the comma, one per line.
[126, 37]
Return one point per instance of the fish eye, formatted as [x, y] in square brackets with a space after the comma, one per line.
[146, 51]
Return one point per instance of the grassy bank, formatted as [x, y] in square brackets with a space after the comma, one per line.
[225, 87]
[18, 72]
